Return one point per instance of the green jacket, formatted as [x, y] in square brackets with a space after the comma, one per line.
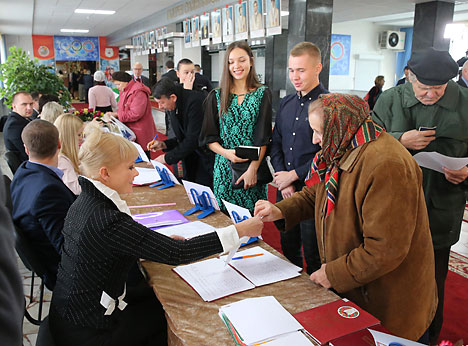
[398, 110]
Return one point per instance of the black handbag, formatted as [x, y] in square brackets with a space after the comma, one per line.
[237, 169]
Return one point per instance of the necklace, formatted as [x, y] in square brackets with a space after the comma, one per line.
[240, 94]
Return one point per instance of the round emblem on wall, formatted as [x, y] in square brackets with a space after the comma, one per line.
[348, 312]
[43, 51]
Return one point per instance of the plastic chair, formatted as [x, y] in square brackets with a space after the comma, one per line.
[12, 160]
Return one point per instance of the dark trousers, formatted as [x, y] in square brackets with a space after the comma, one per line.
[441, 257]
[301, 236]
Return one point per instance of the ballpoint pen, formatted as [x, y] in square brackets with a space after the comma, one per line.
[246, 256]
[154, 139]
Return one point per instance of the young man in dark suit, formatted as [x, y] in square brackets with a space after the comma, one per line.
[184, 109]
[22, 105]
[170, 73]
[40, 198]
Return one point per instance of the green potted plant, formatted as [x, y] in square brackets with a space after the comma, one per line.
[21, 73]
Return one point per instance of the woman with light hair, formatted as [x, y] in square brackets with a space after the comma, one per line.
[51, 111]
[101, 244]
[71, 137]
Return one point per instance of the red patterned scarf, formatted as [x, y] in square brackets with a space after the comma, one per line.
[347, 125]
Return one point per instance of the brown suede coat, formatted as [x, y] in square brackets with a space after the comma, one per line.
[376, 242]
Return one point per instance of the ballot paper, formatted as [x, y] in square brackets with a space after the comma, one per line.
[259, 319]
[200, 189]
[383, 339]
[146, 176]
[435, 161]
[161, 167]
[212, 280]
[187, 230]
[254, 268]
[141, 152]
[241, 213]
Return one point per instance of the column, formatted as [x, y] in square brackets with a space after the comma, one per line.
[430, 19]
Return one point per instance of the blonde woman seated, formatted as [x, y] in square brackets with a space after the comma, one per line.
[70, 129]
[51, 111]
[102, 242]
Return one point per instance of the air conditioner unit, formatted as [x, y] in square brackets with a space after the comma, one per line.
[392, 40]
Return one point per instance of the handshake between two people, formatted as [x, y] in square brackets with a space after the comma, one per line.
[264, 211]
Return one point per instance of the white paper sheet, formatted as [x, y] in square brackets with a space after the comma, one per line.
[187, 230]
[141, 152]
[261, 318]
[265, 269]
[212, 280]
[241, 212]
[435, 161]
[200, 189]
[146, 176]
[161, 166]
[296, 339]
[383, 339]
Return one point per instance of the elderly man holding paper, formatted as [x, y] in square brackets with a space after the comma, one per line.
[429, 114]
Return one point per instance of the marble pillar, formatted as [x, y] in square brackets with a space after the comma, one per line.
[430, 19]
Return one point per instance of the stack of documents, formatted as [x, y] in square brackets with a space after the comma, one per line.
[255, 321]
[214, 278]
[187, 230]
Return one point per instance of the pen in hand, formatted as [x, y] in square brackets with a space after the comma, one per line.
[152, 142]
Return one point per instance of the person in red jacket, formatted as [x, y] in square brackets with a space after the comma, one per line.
[134, 107]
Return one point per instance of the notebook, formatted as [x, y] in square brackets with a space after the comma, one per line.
[160, 219]
[336, 319]
[214, 279]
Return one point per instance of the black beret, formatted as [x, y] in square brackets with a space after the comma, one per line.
[121, 76]
[433, 67]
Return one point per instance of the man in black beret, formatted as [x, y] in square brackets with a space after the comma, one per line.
[429, 114]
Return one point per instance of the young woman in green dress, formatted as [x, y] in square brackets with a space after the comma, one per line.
[237, 113]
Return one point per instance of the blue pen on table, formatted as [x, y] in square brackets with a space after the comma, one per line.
[247, 256]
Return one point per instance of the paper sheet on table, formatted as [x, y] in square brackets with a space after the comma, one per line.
[265, 269]
[261, 318]
[162, 166]
[296, 339]
[212, 280]
[435, 161]
[242, 212]
[200, 189]
[146, 176]
[383, 339]
[141, 152]
[187, 230]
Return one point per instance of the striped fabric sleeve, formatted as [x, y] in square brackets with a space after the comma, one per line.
[131, 238]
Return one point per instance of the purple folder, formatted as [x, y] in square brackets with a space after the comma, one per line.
[160, 219]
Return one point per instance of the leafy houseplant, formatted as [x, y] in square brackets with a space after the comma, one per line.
[21, 73]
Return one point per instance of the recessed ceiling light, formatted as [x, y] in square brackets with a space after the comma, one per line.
[82, 10]
[74, 30]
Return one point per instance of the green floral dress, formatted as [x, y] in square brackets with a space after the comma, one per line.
[246, 124]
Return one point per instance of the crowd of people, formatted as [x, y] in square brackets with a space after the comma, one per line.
[351, 201]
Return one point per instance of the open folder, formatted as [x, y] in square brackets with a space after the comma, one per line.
[213, 279]
[262, 320]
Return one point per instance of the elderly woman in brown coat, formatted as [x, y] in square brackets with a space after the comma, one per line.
[364, 190]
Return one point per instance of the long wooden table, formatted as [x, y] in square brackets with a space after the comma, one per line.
[192, 321]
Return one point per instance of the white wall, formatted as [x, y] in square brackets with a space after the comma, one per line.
[143, 60]
[20, 41]
[364, 42]
[180, 52]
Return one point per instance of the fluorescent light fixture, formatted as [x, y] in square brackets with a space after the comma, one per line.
[284, 13]
[82, 10]
[75, 30]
